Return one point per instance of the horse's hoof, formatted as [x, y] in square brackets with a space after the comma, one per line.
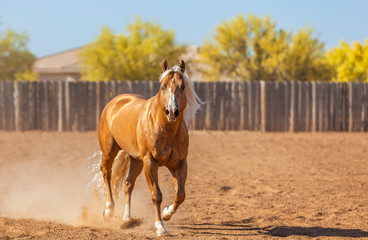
[168, 212]
[160, 228]
[166, 218]
[160, 233]
[107, 215]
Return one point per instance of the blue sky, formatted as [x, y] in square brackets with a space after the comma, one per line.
[57, 25]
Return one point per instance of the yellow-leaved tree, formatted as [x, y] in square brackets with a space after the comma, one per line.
[350, 63]
[16, 60]
[306, 59]
[253, 49]
[236, 50]
[132, 56]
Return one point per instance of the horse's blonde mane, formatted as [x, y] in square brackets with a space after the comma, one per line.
[193, 101]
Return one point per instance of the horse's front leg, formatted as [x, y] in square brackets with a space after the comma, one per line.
[151, 173]
[179, 174]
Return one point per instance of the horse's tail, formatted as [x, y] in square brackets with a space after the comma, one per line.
[119, 172]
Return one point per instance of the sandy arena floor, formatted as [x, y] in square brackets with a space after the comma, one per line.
[241, 185]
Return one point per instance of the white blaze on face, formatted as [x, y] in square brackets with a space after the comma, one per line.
[172, 103]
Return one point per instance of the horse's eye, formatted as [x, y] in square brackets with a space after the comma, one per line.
[163, 87]
[182, 87]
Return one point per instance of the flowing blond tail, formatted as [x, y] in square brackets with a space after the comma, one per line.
[119, 172]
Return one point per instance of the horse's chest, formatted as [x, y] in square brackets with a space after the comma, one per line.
[166, 148]
[162, 152]
[167, 153]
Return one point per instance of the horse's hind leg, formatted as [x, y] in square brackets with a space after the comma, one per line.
[179, 175]
[135, 168]
[108, 156]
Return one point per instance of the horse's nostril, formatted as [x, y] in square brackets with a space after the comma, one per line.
[167, 112]
[176, 112]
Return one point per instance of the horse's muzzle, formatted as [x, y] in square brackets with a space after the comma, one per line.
[172, 115]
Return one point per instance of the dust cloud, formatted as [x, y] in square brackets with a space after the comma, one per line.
[32, 189]
[58, 182]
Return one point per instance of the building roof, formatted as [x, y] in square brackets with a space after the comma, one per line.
[61, 62]
[68, 62]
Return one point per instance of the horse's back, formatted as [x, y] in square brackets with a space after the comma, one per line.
[124, 101]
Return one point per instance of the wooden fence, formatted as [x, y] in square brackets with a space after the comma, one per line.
[255, 106]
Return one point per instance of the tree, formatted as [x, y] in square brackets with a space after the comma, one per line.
[305, 59]
[132, 56]
[350, 63]
[253, 49]
[16, 60]
[235, 50]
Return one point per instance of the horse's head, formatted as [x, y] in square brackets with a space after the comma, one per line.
[172, 90]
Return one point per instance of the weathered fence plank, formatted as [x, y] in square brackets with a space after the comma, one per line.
[337, 107]
[53, 106]
[40, 105]
[209, 106]
[357, 106]
[269, 108]
[296, 110]
[73, 106]
[287, 105]
[236, 106]
[245, 105]
[200, 116]
[345, 99]
[23, 105]
[364, 118]
[2, 105]
[220, 102]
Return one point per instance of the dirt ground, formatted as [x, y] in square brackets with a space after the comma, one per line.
[241, 185]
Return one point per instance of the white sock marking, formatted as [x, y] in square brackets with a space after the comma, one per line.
[168, 211]
[108, 205]
[109, 211]
[160, 228]
[127, 213]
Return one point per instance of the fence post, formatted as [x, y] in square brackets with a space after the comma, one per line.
[263, 106]
[292, 103]
[16, 105]
[350, 94]
[60, 106]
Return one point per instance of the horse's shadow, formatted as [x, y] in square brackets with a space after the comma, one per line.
[246, 229]
[285, 231]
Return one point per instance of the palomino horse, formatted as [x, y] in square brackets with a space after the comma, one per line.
[152, 133]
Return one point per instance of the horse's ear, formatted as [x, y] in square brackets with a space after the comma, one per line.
[182, 65]
[164, 65]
